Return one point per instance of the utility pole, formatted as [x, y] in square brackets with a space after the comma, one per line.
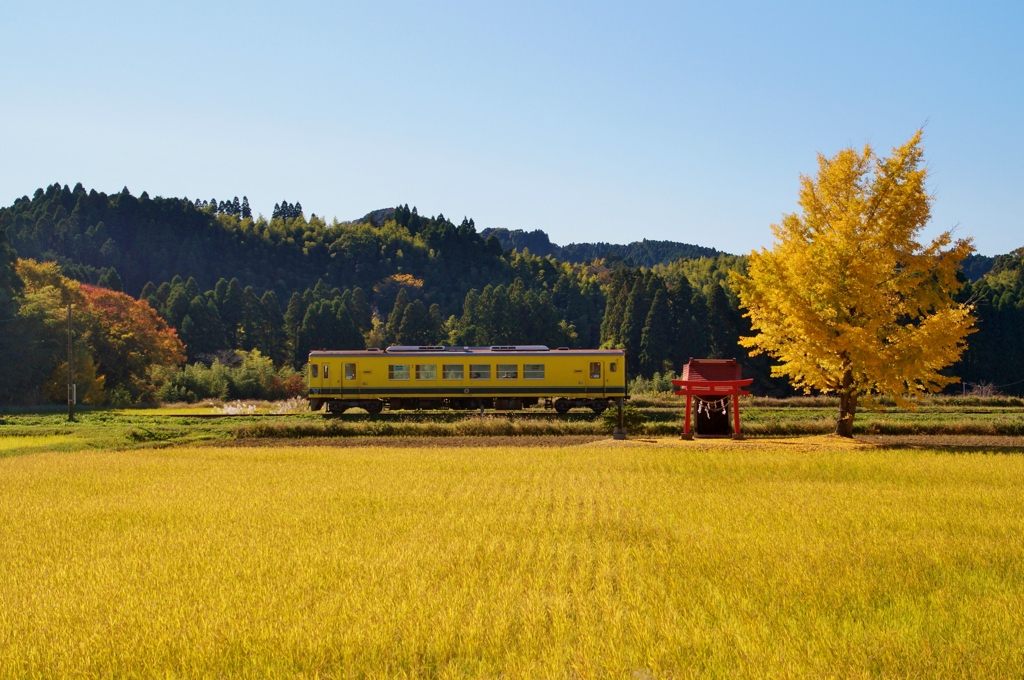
[71, 373]
[620, 429]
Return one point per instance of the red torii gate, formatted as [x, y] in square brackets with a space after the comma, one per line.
[712, 378]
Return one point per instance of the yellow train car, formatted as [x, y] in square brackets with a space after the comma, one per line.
[508, 377]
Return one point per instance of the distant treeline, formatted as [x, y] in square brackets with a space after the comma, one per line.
[637, 254]
[227, 282]
[995, 354]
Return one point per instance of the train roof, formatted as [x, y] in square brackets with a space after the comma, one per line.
[438, 350]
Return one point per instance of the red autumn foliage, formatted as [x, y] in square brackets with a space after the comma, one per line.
[129, 338]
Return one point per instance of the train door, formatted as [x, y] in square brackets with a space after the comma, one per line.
[331, 377]
[596, 375]
[349, 379]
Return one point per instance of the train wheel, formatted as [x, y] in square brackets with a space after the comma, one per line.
[373, 407]
[599, 407]
[562, 406]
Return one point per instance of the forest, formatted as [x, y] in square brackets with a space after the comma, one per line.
[179, 299]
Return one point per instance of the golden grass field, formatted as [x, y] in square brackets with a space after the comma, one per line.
[639, 559]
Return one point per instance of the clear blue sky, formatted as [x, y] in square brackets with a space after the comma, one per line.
[592, 121]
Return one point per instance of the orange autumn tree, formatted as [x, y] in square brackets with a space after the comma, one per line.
[129, 340]
[847, 300]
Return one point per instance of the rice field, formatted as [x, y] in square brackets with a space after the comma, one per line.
[638, 559]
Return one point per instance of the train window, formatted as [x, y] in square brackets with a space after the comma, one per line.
[350, 371]
[453, 372]
[325, 371]
[612, 367]
[479, 371]
[426, 371]
[508, 371]
[533, 371]
[398, 371]
[314, 371]
[595, 369]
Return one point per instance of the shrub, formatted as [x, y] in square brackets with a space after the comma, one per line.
[657, 384]
[254, 378]
[195, 383]
[632, 417]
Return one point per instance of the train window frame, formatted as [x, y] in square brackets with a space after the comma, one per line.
[479, 371]
[533, 371]
[426, 371]
[595, 370]
[326, 372]
[613, 367]
[507, 371]
[350, 371]
[314, 370]
[453, 371]
[398, 371]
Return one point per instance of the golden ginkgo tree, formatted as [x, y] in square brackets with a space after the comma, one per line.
[847, 300]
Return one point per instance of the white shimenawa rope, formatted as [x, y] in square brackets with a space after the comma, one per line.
[709, 407]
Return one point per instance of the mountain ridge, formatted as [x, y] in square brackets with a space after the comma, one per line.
[644, 253]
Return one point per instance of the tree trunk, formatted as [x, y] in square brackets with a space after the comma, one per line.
[847, 406]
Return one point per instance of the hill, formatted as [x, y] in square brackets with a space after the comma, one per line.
[226, 281]
[643, 253]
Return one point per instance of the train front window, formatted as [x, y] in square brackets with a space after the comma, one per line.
[398, 371]
[595, 369]
[350, 371]
[453, 372]
[533, 371]
[479, 371]
[508, 371]
[426, 371]
[314, 371]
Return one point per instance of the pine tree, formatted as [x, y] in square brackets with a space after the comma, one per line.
[110, 280]
[633, 319]
[275, 340]
[162, 293]
[395, 318]
[615, 309]
[177, 306]
[202, 330]
[721, 325]
[360, 310]
[349, 335]
[655, 345]
[232, 310]
[220, 291]
[685, 336]
[192, 288]
[250, 333]
[293, 317]
[415, 327]
[436, 323]
[246, 210]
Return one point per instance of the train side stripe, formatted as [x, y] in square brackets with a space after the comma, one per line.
[455, 392]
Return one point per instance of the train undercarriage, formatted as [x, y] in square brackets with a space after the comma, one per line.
[560, 405]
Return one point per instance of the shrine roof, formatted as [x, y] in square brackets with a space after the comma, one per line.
[712, 370]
